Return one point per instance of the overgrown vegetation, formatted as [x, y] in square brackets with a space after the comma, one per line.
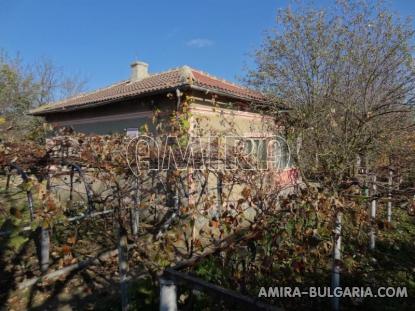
[295, 249]
[345, 73]
[345, 76]
[24, 87]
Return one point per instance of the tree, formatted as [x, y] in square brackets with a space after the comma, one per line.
[346, 75]
[24, 87]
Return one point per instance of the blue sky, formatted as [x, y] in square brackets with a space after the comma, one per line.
[99, 39]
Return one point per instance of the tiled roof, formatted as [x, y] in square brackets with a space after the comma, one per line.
[155, 83]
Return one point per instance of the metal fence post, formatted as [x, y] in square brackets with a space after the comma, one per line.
[71, 181]
[7, 182]
[390, 180]
[372, 235]
[135, 216]
[88, 190]
[123, 266]
[168, 295]
[335, 276]
[43, 248]
[219, 188]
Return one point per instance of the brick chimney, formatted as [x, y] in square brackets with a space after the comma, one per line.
[139, 71]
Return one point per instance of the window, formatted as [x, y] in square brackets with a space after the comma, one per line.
[271, 153]
[282, 154]
[131, 132]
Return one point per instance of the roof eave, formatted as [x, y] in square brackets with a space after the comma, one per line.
[104, 102]
[156, 92]
[225, 94]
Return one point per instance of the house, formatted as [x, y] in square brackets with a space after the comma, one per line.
[128, 105]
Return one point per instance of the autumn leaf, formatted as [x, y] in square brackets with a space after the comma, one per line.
[71, 240]
[66, 249]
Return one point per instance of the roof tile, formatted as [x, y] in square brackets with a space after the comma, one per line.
[154, 83]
